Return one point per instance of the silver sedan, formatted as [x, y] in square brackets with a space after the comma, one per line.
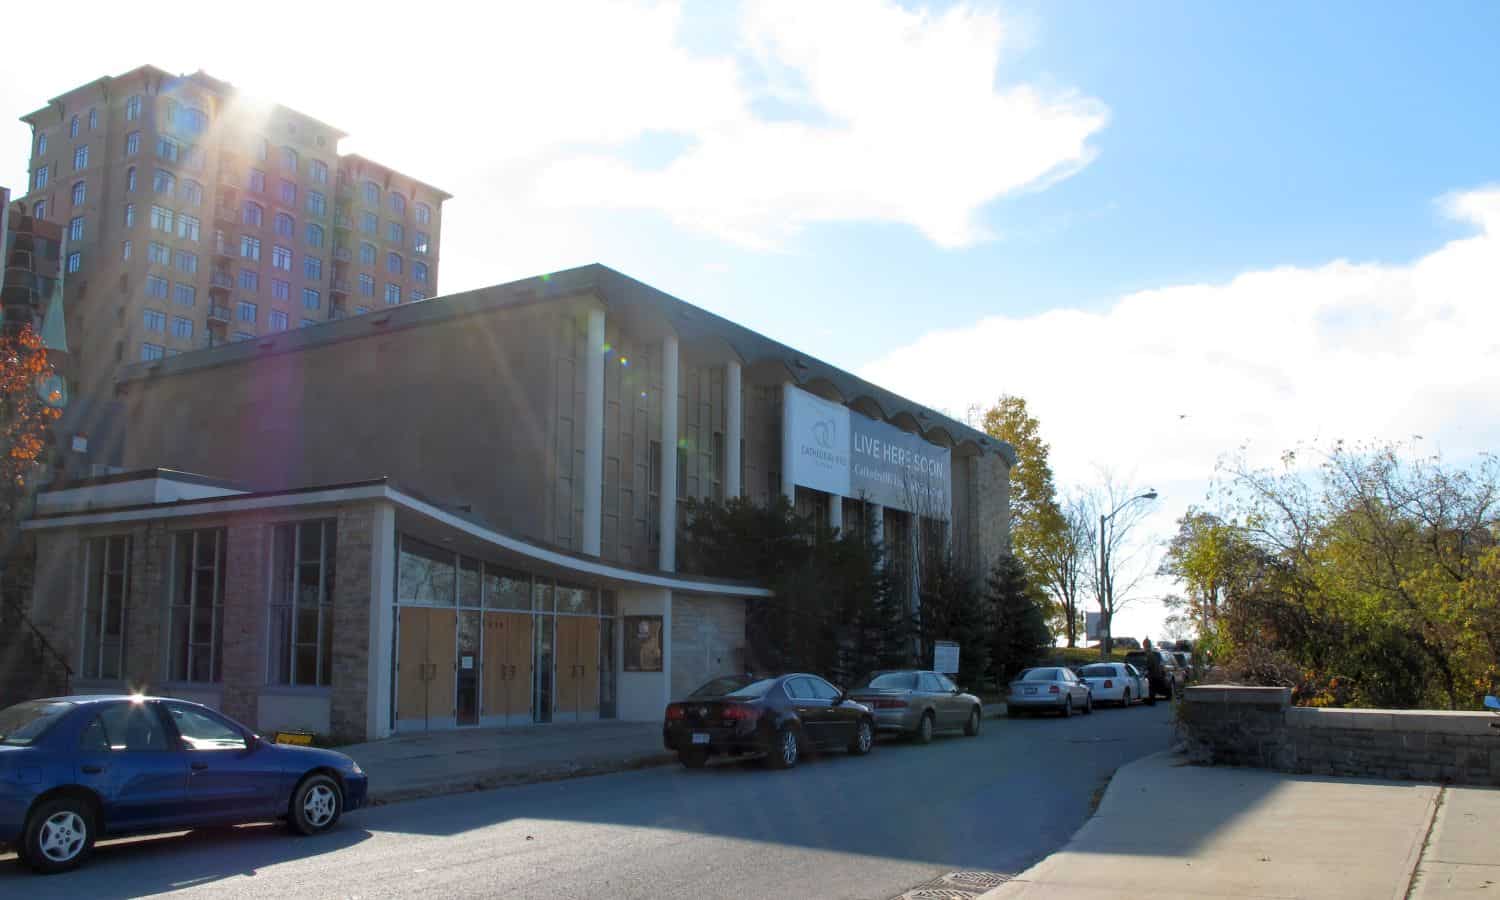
[918, 703]
[1050, 688]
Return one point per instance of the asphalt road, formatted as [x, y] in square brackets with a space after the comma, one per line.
[837, 826]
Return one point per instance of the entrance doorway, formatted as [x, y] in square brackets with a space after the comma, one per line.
[507, 668]
[425, 668]
[577, 668]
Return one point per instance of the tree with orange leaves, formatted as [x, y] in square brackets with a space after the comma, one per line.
[24, 418]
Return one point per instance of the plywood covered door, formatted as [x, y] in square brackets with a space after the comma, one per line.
[507, 665]
[567, 666]
[442, 625]
[520, 664]
[588, 666]
[411, 672]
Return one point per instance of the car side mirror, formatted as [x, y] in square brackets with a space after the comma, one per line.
[1492, 703]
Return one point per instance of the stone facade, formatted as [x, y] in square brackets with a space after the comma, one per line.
[989, 529]
[1259, 727]
[708, 639]
[351, 624]
[146, 610]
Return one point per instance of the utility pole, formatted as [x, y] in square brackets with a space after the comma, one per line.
[1106, 585]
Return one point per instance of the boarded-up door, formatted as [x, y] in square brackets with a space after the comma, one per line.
[425, 677]
[507, 667]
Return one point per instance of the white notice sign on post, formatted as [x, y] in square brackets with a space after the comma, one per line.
[945, 657]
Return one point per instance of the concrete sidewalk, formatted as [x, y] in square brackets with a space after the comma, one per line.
[433, 763]
[409, 766]
[1167, 829]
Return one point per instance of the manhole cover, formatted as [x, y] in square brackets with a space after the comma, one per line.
[956, 886]
[981, 880]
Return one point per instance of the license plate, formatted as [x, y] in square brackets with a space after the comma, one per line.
[1031, 690]
[700, 738]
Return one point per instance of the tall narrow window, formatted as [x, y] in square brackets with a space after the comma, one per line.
[132, 143]
[73, 127]
[106, 599]
[196, 623]
[75, 228]
[133, 108]
[80, 193]
[302, 561]
[81, 157]
[130, 180]
[93, 119]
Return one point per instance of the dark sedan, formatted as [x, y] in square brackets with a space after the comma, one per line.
[74, 769]
[782, 716]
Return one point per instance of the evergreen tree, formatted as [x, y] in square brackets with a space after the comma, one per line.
[1020, 636]
[953, 608]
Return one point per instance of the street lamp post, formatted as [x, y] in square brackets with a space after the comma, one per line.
[1106, 588]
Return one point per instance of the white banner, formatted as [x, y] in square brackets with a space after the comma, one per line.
[820, 442]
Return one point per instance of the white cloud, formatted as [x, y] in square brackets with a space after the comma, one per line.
[1271, 358]
[906, 127]
[528, 113]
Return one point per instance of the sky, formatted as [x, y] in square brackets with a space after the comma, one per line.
[1177, 229]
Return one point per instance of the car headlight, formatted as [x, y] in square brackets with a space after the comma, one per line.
[354, 767]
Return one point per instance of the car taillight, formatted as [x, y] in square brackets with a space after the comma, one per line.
[675, 712]
[1054, 690]
[738, 713]
[889, 703]
[1108, 683]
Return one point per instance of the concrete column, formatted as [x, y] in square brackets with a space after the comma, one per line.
[669, 453]
[877, 523]
[733, 427]
[593, 432]
[382, 621]
[836, 512]
[788, 444]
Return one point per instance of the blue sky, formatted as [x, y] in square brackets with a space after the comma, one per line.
[1176, 228]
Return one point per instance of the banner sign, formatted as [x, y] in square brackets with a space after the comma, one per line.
[1091, 626]
[841, 452]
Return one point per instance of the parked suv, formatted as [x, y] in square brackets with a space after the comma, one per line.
[1165, 676]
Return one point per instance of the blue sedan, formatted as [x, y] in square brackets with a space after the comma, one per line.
[73, 769]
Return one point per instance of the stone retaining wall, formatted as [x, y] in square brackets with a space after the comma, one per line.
[1258, 726]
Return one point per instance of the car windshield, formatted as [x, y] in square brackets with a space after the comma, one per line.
[24, 723]
[737, 686]
[1042, 675]
[1098, 671]
[890, 681]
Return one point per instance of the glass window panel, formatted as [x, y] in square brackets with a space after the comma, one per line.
[505, 589]
[281, 645]
[426, 574]
[541, 594]
[179, 636]
[307, 664]
[468, 582]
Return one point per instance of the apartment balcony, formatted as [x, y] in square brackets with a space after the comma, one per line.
[340, 286]
[223, 250]
[220, 284]
[343, 191]
[342, 254]
[226, 215]
[343, 221]
[219, 315]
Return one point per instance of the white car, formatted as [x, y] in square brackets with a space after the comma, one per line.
[1117, 683]
[1049, 688]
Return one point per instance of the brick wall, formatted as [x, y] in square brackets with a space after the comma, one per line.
[1259, 727]
[247, 544]
[145, 616]
[351, 624]
[990, 481]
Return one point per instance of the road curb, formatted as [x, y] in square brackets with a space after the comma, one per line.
[499, 778]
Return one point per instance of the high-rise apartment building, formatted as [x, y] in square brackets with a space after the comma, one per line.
[194, 216]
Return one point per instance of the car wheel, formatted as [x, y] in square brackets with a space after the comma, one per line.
[693, 759]
[1067, 710]
[1125, 700]
[786, 749]
[971, 728]
[1012, 713]
[864, 738]
[1088, 705]
[924, 729]
[1150, 697]
[316, 805]
[59, 835]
